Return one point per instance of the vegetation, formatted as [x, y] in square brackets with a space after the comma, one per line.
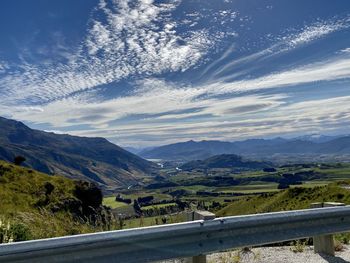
[298, 246]
[18, 160]
[224, 161]
[289, 199]
[35, 205]
[257, 191]
[237, 256]
[112, 203]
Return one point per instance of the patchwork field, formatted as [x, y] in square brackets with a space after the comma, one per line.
[227, 192]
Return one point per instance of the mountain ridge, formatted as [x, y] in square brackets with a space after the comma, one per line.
[192, 150]
[95, 159]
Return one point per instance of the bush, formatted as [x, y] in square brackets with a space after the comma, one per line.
[340, 196]
[137, 208]
[18, 160]
[298, 246]
[269, 170]
[20, 232]
[88, 193]
[282, 186]
[145, 200]
[13, 232]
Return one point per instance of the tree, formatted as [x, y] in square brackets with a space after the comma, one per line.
[283, 185]
[137, 208]
[269, 170]
[49, 187]
[88, 193]
[18, 160]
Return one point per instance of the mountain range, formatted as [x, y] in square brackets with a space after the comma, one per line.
[259, 148]
[95, 159]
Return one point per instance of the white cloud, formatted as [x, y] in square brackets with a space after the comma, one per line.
[346, 50]
[315, 31]
[3, 66]
[132, 37]
[140, 38]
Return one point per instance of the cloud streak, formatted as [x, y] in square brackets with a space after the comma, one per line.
[333, 69]
[286, 42]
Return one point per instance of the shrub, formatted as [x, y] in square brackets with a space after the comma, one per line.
[13, 232]
[88, 193]
[340, 196]
[20, 232]
[298, 246]
[282, 186]
[338, 246]
[137, 208]
[269, 170]
[49, 187]
[145, 200]
[18, 160]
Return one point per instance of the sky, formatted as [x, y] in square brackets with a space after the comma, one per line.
[144, 73]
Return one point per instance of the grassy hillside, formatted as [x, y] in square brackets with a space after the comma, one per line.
[35, 205]
[289, 199]
[224, 161]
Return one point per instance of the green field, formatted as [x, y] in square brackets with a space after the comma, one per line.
[232, 193]
[158, 206]
[110, 202]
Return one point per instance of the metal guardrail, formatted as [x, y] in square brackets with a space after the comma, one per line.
[181, 240]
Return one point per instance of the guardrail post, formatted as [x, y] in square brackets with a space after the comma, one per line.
[198, 215]
[324, 244]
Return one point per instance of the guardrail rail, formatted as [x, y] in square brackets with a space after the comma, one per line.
[188, 239]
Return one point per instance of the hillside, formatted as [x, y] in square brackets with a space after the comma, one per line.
[94, 159]
[224, 161]
[289, 199]
[257, 148]
[37, 205]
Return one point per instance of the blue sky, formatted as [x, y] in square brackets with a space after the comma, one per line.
[143, 72]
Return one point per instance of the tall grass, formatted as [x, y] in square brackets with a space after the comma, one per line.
[29, 211]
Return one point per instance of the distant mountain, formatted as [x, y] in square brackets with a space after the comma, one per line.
[190, 150]
[317, 138]
[261, 148]
[224, 161]
[132, 150]
[137, 150]
[95, 159]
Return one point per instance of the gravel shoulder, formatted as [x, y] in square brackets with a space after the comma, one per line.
[276, 255]
[280, 255]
